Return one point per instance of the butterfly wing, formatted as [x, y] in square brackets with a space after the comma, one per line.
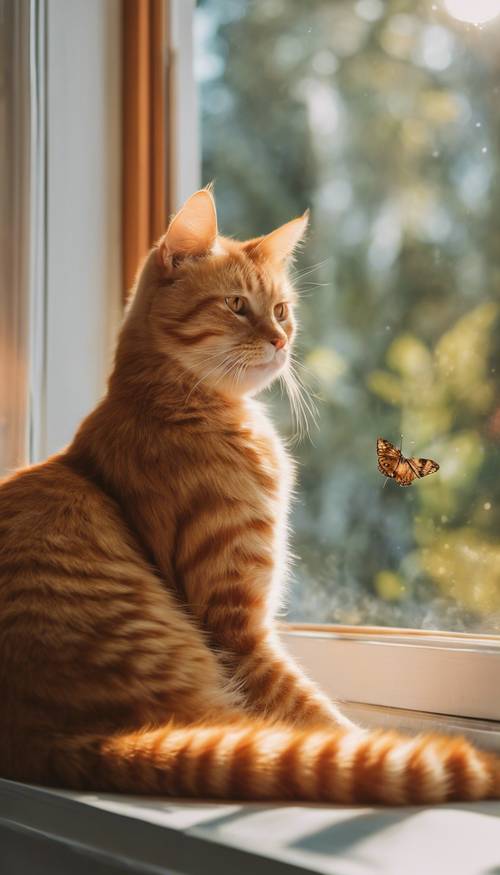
[388, 457]
[423, 467]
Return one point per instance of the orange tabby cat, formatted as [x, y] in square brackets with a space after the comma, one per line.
[141, 568]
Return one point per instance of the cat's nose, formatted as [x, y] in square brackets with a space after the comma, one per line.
[278, 342]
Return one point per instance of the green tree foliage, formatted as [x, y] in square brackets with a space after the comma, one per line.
[385, 119]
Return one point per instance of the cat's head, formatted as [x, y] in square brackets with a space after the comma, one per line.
[223, 309]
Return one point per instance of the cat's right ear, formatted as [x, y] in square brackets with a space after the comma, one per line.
[192, 231]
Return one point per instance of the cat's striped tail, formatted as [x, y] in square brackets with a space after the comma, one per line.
[261, 762]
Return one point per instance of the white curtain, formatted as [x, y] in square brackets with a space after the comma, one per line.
[17, 80]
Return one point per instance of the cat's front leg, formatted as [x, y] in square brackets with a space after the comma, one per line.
[227, 579]
[275, 686]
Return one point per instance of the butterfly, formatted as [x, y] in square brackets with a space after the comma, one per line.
[392, 463]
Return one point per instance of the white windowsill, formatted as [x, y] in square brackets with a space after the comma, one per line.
[50, 832]
[53, 832]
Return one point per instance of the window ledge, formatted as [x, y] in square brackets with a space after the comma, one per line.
[456, 675]
[54, 832]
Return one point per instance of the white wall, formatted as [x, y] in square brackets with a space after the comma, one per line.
[83, 259]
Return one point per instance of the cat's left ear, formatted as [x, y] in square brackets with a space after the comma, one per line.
[192, 231]
[278, 246]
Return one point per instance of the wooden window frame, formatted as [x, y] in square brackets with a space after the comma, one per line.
[144, 83]
[159, 134]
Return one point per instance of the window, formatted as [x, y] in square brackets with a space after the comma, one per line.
[384, 118]
[384, 121]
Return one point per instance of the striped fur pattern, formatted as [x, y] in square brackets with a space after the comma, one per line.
[142, 567]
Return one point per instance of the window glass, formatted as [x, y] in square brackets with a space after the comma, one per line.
[384, 118]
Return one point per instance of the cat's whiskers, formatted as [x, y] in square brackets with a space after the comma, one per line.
[299, 275]
[308, 290]
[240, 365]
[219, 364]
[243, 366]
[225, 373]
[314, 283]
[300, 364]
[304, 410]
[232, 368]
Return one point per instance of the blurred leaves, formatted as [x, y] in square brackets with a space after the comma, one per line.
[390, 586]
[327, 366]
[462, 358]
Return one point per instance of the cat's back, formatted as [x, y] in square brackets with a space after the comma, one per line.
[51, 511]
[37, 490]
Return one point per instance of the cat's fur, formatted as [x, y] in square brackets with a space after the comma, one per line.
[141, 568]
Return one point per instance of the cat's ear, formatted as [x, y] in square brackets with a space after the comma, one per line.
[192, 231]
[278, 246]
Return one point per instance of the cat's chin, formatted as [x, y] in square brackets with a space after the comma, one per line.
[254, 378]
[258, 377]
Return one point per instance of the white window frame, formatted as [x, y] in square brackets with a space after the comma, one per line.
[449, 675]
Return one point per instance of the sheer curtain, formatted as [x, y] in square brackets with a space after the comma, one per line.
[14, 237]
[22, 228]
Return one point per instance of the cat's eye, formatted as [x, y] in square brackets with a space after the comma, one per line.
[237, 304]
[281, 312]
